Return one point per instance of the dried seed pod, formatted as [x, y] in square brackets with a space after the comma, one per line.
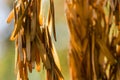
[34, 50]
[33, 40]
[118, 50]
[10, 16]
[90, 22]
[28, 43]
[43, 54]
[20, 46]
[29, 64]
[53, 17]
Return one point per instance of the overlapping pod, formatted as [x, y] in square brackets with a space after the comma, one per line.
[33, 40]
[94, 39]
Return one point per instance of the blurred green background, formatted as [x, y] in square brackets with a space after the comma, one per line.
[7, 52]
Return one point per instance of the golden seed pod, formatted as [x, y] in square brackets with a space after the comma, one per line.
[33, 39]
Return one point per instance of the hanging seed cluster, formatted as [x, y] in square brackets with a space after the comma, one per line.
[95, 39]
[33, 40]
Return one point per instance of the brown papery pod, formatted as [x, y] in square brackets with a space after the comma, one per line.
[33, 39]
[53, 17]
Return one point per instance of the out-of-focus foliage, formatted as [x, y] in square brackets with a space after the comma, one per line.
[94, 51]
[64, 42]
